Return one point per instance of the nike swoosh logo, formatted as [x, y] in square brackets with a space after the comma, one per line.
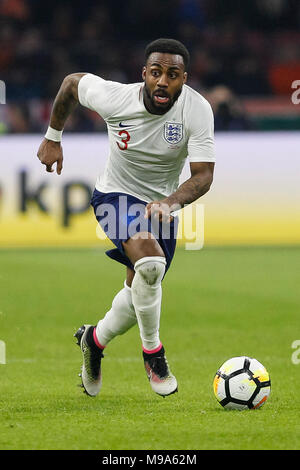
[125, 125]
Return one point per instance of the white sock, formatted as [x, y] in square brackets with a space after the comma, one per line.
[146, 295]
[118, 319]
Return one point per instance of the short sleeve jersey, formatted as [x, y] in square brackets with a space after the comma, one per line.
[147, 152]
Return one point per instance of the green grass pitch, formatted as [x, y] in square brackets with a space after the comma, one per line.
[217, 303]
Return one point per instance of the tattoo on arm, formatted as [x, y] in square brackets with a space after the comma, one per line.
[189, 191]
[196, 186]
[66, 100]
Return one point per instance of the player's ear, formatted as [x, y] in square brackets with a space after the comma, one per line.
[185, 76]
[144, 73]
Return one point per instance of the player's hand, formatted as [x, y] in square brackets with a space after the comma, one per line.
[50, 152]
[159, 210]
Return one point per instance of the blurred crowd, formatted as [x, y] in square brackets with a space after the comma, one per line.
[238, 49]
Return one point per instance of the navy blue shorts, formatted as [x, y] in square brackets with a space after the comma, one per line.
[121, 216]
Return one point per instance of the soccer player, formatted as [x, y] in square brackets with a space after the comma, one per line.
[153, 127]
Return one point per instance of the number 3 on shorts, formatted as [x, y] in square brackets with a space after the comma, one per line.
[125, 138]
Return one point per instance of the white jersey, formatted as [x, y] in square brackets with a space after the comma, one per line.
[148, 151]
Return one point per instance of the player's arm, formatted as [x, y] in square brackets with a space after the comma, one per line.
[196, 186]
[50, 150]
[193, 188]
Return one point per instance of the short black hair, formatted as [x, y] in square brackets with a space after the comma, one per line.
[168, 46]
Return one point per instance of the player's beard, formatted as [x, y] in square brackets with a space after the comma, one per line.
[154, 108]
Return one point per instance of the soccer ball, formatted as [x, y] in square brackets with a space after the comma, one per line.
[242, 383]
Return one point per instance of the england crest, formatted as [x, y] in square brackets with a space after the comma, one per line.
[173, 132]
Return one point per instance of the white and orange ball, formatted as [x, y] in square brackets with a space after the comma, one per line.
[242, 383]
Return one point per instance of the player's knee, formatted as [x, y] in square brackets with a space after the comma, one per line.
[151, 269]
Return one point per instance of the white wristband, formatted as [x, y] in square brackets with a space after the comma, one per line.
[53, 134]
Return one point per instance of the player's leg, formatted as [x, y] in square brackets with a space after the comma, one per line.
[129, 276]
[121, 316]
[93, 339]
[148, 281]
[149, 261]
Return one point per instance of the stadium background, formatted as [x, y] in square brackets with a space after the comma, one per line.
[239, 295]
[244, 60]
